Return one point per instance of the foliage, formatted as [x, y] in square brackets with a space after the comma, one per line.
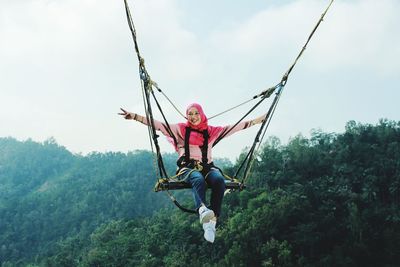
[327, 200]
[48, 194]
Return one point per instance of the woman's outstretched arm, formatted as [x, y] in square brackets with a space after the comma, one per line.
[131, 116]
[258, 120]
[225, 131]
[159, 126]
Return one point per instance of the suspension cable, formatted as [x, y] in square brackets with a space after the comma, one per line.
[147, 85]
[286, 75]
[263, 128]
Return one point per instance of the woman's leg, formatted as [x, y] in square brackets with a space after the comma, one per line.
[199, 187]
[217, 183]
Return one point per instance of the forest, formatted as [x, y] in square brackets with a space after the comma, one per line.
[331, 199]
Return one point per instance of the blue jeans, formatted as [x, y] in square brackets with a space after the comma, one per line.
[199, 183]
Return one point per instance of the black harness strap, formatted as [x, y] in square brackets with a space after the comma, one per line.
[204, 148]
[187, 151]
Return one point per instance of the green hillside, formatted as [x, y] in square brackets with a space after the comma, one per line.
[48, 194]
[328, 200]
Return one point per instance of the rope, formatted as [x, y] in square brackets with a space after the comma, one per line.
[232, 108]
[250, 156]
[262, 131]
[286, 75]
[147, 89]
[169, 100]
[173, 199]
[151, 126]
[133, 30]
[266, 93]
[147, 85]
[141, 59]
[241, 119]
[149, 130]
[168, 128]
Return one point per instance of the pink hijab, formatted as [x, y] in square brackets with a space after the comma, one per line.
[195, 137]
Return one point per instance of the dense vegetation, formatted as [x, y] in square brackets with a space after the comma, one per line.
[327, 200]
[48, 194]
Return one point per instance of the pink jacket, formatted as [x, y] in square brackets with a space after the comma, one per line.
[195, 151]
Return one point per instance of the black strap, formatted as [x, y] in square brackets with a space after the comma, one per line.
[204, 147]
[187, 151]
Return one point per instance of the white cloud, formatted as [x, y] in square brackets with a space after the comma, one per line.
[361, 35]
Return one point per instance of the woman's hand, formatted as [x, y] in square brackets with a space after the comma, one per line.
[259, 119]
[127, 115]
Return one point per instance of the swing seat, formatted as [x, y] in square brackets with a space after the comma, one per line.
[171, 184]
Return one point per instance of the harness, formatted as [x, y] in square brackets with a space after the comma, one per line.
[186, 162]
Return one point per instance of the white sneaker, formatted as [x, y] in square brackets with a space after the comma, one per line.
[209, 231]
[205, 214]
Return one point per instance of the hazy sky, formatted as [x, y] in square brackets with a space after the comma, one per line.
[66, 67]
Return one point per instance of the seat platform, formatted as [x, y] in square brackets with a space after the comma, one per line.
[165, 184]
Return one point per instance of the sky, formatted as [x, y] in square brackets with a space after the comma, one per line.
[66, 67]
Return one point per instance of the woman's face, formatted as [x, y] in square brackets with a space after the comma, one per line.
[194, 116]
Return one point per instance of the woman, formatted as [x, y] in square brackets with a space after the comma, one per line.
[193, 141]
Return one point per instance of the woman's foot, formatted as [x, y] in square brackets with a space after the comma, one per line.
[205, 214]
[209, 230]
